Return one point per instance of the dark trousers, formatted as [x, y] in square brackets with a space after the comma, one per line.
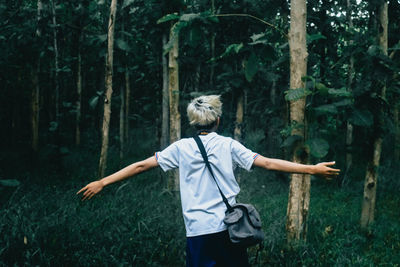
[214, 250]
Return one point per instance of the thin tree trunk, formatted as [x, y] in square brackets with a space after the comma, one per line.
[109, 89]
[56, 65]
[165, 99]
[122, 124]
[397, 131]
[175, 116]
[127, 98]
[212, 47]
[237, 132]
[78, 93]
[299, 192]
[35, 102]
[371, 177]
[350, 76]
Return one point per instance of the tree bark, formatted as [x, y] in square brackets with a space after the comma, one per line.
[35, 97]
[165, 99]
[56, 66]
[237, 132]
[78, 93]
[127, 106]
[175, 116]
[109, 89]
[371, 177]
[212, 47]
[299, 192]
[350, 76]
[397, 131]
[122, 125]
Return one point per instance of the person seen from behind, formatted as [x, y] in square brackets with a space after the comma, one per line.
[208, 242]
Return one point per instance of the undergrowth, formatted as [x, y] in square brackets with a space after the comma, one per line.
[139, 223]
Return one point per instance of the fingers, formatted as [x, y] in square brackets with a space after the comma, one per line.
[84, 188]
[87, 193]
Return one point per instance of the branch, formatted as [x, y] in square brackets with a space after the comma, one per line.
[253, 17]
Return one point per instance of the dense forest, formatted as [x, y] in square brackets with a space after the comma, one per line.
[91, 86]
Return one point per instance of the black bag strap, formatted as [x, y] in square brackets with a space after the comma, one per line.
[205, 157]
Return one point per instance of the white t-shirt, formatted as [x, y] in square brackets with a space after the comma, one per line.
[202, 205]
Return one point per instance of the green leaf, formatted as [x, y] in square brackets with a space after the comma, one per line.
[93, 101]
[322, 89]
[339, 92]
[296, 94]
[315, 37]
[319, 147]
[168, 17]
[53, 126]
[327, 109]
[10, 183]
[102, 37]
[251, 67]
[291, 140]
[122, 45]
[362, 118]
[259, 39]
[189, 17]
[127, 3]
[343, 103]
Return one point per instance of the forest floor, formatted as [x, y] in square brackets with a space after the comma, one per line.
[139, 223]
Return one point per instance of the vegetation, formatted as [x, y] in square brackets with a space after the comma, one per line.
[52, 71]
[139, 222]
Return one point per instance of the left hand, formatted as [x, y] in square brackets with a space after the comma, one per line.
[91, 189]
[324, 170]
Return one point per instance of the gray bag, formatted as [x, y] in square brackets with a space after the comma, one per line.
[244, 224]
[243, 220]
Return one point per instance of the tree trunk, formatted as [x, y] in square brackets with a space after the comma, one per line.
[122, 126]
[371, 177]
[299, 193]
[56, 66]
[397, 131]
[35, 103]
[127, 106]
[212, 46]
[165, 99]
[350, 76]
[237, 132]
[109, 89]
[78, 93]
[175, 116]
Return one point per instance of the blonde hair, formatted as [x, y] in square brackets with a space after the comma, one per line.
[204, 110]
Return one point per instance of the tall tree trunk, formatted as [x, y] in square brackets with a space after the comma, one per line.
[175, 116]
[109, 89]
[299, 193]
[127, 99]
[237, 132]
[371, 177]
[397, 131]
[165, 98]
[212, 47]
[35, 102]
[56, 66]
[78, 93]
[122, 125]
[350, 76]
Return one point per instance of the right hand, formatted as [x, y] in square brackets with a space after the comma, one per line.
[91, 189]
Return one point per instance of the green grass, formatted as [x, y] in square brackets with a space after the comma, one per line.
[139, 223]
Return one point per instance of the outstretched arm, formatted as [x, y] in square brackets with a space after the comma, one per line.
[322, 168]
[95, 187]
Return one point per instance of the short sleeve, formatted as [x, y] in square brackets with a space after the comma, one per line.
[242, 156]
[168, 158]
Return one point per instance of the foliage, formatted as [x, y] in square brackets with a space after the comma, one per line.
[138, 222]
